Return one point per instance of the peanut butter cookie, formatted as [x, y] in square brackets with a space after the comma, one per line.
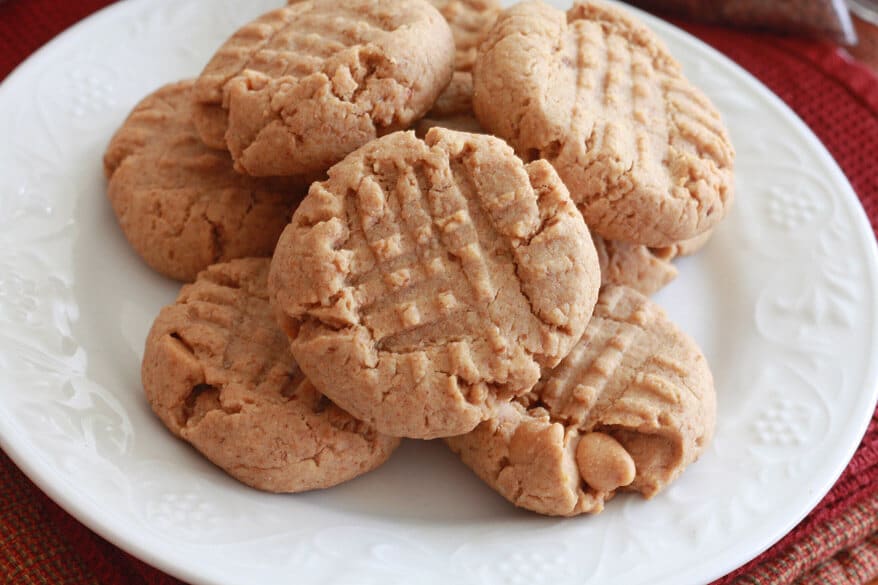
[629, 408]
[181, 204]
[297, 89]
[644, 153]
[425, 282]
[218, 372]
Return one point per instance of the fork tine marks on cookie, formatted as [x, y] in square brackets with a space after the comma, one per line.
[630, 407]
[217, 371]
[644, 164]
[475, 271]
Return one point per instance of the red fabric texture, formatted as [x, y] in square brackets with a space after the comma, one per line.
[849, 567]
[26, 25]
[837, 98]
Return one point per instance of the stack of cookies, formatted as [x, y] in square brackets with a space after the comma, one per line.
[429, 221]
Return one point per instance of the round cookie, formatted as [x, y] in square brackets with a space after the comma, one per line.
[644, 153]
[300, 87]
[180, 204]
[629, 409]
[470, 21]
[218, 372]
[634, 266]
[427, 281]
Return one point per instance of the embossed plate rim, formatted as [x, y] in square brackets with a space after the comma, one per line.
[869, 399]
[87, 509]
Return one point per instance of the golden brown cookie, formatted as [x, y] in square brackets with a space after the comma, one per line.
[470, 20]
[298, 88]
[644, 153]
[629, 408]
[218, 372]
[181, 205]
[427, 281]
[634, 266]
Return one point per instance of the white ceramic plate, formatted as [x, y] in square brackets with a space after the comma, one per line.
[783, 301]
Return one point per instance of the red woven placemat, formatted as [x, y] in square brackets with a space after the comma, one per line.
[836, 543]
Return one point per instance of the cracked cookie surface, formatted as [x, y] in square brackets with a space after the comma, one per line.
[300, 87]
[180, 204]
[427, 281]
[629, 408]
[218, 372]
[644, 153]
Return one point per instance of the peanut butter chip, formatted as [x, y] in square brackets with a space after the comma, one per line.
[603, 462]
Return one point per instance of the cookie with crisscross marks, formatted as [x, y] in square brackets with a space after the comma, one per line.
[629, 408]
[425, 282]
[218, 372]
[300, 87]
[644, 153]
[181, 204]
